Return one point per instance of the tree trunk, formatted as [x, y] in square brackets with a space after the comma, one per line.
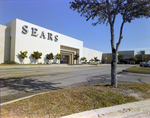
[114, 59]
[114, 69]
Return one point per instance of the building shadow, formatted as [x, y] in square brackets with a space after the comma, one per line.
[21, 60]
[25, 85]
[7, 45]
[46, 60]
[32, 60]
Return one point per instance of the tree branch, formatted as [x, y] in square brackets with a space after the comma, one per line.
[120, 37]
[115, 11]
[108, 12]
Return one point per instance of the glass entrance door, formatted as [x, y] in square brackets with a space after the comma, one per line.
[64, 59]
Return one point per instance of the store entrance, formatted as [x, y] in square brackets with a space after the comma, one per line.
[64, 59]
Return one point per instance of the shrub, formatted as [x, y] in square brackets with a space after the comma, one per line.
[83, 59]
[76, 57]
[50, 56]
[54, 63]
[96, 60]
[23, 55]
[92, 60]
[58, 56]
[83, 63]
[36, 55]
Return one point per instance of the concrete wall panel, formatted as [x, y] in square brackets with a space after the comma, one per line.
[2, 42]
[90, 54]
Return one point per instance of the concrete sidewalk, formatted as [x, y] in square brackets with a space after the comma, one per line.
[139, 109]
[41, 66]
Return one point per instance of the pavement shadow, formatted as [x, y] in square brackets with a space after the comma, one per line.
[98, 79]
[93, 80]
[25, 85]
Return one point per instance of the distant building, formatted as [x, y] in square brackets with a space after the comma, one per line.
[127, 54]
[107, 57]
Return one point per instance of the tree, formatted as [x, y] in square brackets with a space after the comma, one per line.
[50, 56]
[106, 11]
[83, 58]
[23, 55]
[37, 55]
[96, 60]
[140, 58]
[121, 58]
[76, 57]
[133, 59]
[58, 56]
[92, 60]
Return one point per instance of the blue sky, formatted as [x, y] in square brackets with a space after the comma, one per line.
[56, 15]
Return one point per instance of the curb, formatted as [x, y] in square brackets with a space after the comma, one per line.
[30, 66]
[12, 101]
[40, 66]
[135, 72]
[119, 111]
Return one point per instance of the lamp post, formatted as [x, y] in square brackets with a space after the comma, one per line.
[106, 60]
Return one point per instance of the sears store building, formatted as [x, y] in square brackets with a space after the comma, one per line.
[19, 35]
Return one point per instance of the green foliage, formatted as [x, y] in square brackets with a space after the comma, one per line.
[92, 60]
[58, 56]
[83, 58]
[139, 58]
[23, 55]
[83, 62]
[50, 56]
[133, 59]
[121, 58]
[10, 62]
[36, 55]
[96, 60]
[136, 69]
[76, 57]
[54, 63]
[106, 11]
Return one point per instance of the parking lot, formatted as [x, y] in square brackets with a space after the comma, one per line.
[21, 81]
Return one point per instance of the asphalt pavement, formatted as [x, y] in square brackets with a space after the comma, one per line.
[20, 82]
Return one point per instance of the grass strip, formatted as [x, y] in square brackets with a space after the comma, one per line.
[67, 101]
[139, 69]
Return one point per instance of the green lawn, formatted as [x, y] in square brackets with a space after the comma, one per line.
[139, 69]
[67, 101]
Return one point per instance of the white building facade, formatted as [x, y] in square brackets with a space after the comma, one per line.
[90, 54]
[19, 35]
